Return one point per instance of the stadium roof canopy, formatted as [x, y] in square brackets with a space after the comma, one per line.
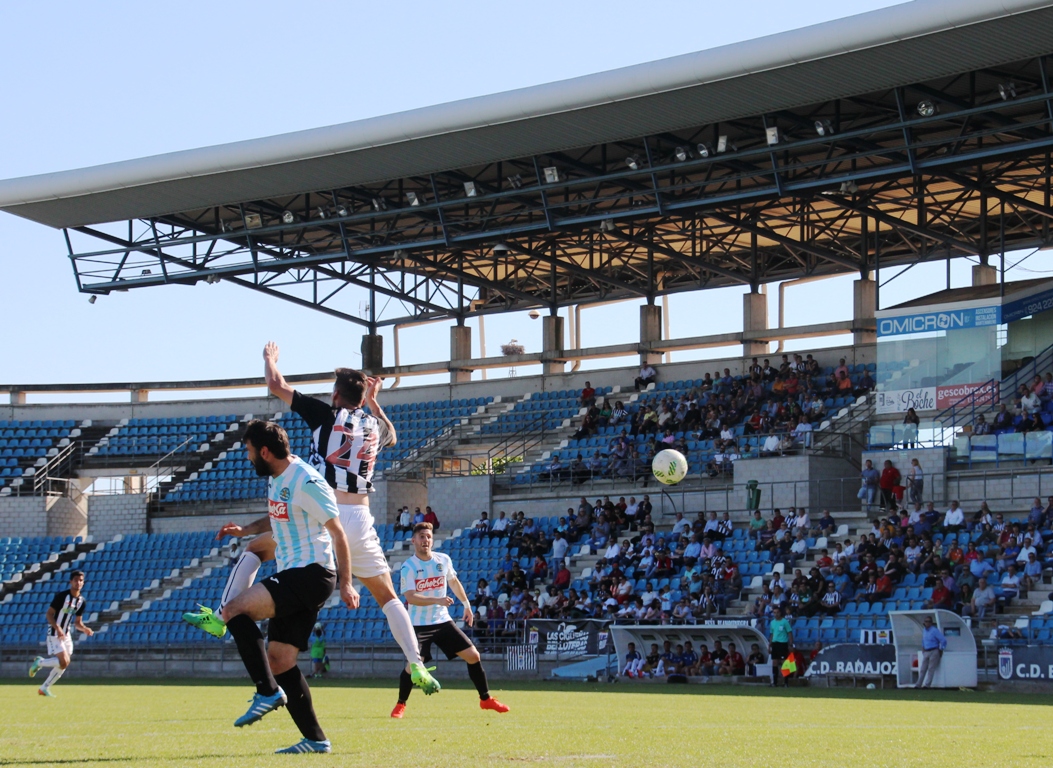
[910, 133]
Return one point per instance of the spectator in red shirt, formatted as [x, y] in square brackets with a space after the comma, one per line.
[588, 395]
[889, 480]
[941, 597]
[429, 517]
[777, 519]
[562, 580]
[705, 661]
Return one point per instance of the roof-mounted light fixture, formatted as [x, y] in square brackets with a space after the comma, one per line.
[824, 128]
[927, 108]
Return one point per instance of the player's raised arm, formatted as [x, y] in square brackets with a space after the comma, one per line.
[373, 386]
[275, 381]
[458, 589]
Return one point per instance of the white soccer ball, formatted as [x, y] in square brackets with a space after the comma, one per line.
[669, 466]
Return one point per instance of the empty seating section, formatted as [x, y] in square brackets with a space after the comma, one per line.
[17, 553]
[156, 437]
[23, 442]
[550, 407]
[416, 423]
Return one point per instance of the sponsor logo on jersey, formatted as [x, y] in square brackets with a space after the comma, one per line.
[284, 494]
[279, 510]
[432, 582]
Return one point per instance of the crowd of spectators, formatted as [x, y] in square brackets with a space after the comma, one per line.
[784, 403]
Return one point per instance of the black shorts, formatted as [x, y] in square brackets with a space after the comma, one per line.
[448, 636]
[298, 594]
[780, 650]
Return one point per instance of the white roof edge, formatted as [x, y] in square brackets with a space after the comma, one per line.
[853, 33]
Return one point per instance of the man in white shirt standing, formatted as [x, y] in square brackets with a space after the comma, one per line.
[559, 552]
[647, 376]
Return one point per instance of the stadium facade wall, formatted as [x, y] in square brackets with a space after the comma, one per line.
[23, 516]
[784, 481]
[933, 463]
[457, 501]
[67, 517]
[123, 513]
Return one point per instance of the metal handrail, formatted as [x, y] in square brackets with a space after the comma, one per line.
[49, 473]
[416, 464]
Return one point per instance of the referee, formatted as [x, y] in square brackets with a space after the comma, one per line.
[424, 578]
[781, 646]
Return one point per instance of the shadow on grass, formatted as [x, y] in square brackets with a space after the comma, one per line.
[621, 687]
[83, 760]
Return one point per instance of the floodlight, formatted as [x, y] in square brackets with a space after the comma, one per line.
[704, 150]
[849, 187]
[1007, 90]
[470, 189]
[927, 108]
[824, 128]
[146, 272]
[253, 221]
[322, 212]
[516, 181]
[722, 144]
[551, 174]
[633, 161]
[681, 154]
[772, 135]
[607, 225]
[501, 248]
[92, 299]
[412, 198]
[288, 217]
[379, 204]
[341, 211]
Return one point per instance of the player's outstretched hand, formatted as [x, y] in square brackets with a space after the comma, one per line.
[349, 595]
[230, 529]
[270, 352]
[469, 617]
[373, 386]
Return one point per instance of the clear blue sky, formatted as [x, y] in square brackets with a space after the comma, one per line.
[90, 84]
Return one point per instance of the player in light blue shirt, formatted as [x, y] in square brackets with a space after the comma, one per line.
[311, 549]
[424, 578]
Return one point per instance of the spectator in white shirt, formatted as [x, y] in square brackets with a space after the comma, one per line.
[500, 524]
[614, 549]
[983, 600]
[953, 519]
[1027, 549]
[631, 508]
[1011, 583]
[405, 520]
[771, 446]
[802, 522]
[559, 551]
[681, 526]
[647, 376]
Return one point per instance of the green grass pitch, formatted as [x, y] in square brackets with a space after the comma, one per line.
[150, 723]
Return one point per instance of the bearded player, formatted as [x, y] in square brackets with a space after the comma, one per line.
[424, 578]
[345, 441]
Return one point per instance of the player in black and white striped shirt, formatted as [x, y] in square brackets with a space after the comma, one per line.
[65, 612]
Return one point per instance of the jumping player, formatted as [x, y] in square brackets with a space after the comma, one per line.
[345, 441]
[305, 522]
[424, 578]
[66, 609]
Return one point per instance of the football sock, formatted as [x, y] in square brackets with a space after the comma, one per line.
[56, 673]
[402, 628]
[405, 686]
[300, 706]
[249, 639]
[241, 577]
[478, 676]
[50, 661]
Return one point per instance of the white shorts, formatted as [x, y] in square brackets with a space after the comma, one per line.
[57, 646]
[367, 556]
